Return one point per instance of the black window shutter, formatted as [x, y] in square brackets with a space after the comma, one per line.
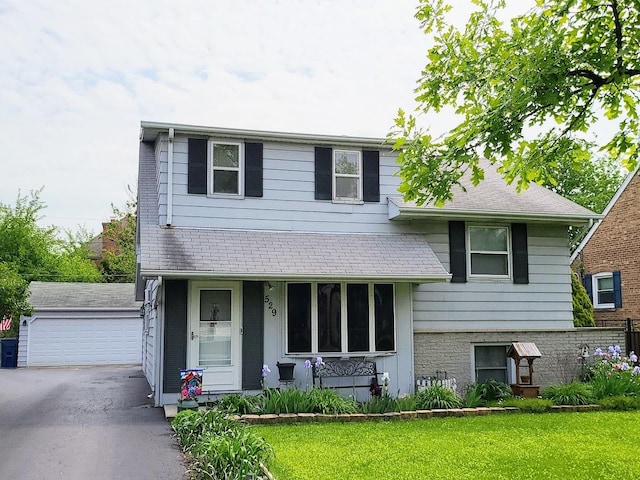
[520, 253]
[253, 169]
[457, 252]
[588, 285]
[371, 175]
[617, 289]
[323, 173]
[197, 169]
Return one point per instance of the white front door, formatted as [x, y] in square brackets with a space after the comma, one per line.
[214, 344]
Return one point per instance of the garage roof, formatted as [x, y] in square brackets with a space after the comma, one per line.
[88, 296]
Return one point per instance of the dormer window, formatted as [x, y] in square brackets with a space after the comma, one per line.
[347, 175]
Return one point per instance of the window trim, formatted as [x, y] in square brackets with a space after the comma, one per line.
[594, 279]
[211, 169]
[335, 176]
[344, 327]
[508, 252]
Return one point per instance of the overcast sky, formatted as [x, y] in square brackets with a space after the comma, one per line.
[77, 77]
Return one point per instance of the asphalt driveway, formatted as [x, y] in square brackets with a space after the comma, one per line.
[83, 423]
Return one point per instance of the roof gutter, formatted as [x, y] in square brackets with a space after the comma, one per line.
[150, 130]
[415, 213]
[296, 277]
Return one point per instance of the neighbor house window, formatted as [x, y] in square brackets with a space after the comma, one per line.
[488, 251]
[491, 363]
[347, 175]
[603, 293]
[339, 317]
[226, 168]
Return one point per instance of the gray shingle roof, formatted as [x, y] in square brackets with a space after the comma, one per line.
[271, 254]
[82, 295]
[494, 198]
[268, 254]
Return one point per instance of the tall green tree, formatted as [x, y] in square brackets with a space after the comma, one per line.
[14, 298]
[119, 237]
[527, 93]
[37, 253]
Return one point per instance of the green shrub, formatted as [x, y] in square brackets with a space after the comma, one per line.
[620, 403]
[328, 401]
[530, 405]
[437, 396]
[482, 393]
[473, 397]
[582, 306]
[236, 455]
[191, 426]
[239, 404]
[407, 403]
[381, 404]
[288, 400]
[574, 393]
[221, 448]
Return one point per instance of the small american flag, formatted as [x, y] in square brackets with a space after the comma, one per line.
[5, 324]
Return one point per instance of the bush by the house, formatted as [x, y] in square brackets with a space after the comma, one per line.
[220, 447]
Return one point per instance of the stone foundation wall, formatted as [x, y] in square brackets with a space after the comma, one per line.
[452, 352]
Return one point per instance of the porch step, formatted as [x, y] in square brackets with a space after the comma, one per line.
[170, 411]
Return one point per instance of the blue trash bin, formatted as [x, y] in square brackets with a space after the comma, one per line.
[9, 347]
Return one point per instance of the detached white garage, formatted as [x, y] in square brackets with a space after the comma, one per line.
[81, 324]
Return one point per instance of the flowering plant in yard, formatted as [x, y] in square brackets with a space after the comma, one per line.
[614, 374]
[307, 368]
[265, 371]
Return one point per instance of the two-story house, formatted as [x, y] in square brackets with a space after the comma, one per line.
[609, 257]
[260, 247]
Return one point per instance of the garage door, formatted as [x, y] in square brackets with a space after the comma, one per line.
[84, 341]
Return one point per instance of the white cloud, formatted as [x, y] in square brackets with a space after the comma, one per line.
[78, 77]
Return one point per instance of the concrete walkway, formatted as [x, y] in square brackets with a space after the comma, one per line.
[83, 423]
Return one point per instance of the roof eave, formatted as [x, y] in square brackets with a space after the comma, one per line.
[150, 130]
[416, 213]
[148, 274]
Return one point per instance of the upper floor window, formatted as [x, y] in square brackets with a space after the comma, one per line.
[347, 175]
[488, 251]
[340, 317]
[603, 294]
[226, 168]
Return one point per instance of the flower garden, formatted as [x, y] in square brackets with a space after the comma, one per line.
[222, 446]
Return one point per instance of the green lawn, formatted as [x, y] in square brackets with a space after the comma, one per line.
[574, 446]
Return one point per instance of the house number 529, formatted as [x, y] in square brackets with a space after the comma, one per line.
[269, 303]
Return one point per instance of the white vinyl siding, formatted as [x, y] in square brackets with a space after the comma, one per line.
[288, 201]
[543, 303]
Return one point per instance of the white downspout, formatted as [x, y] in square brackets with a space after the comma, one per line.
[170, 178]
[158, 353]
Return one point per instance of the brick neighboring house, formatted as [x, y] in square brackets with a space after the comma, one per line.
[609, 257]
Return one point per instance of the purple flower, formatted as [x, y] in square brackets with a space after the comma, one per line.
[636, 370]
[307, 364]
[319, 361]
[611, 350]
[633, 357]
[265, 370]
[624, 366]
[617, 349]
[598, 352]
